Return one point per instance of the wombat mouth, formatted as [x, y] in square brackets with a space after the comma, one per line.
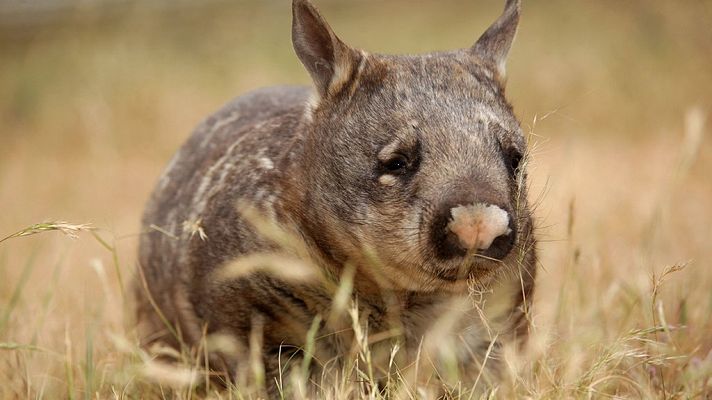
[468, 271]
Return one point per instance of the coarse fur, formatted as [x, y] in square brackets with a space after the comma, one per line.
[318, 168]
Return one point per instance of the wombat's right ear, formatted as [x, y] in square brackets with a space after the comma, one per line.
[493, 46]
[328, 60]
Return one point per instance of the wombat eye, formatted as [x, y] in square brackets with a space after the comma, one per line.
[514, 159]
[396, 164]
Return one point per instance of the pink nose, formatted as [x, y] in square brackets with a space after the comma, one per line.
[478, 225]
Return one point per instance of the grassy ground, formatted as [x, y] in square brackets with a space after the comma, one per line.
[94, 102]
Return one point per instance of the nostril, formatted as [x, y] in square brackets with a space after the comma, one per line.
[501, 246]
[448, 245]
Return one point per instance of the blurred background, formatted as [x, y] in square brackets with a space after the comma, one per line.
[95, 97]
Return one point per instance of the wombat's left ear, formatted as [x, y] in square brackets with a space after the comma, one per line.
[329, 61]
[493, 46]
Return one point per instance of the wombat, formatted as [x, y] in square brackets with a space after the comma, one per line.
[399, 179]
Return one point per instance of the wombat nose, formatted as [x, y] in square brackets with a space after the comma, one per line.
[484, 228]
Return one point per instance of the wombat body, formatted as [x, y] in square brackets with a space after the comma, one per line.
[401, 178]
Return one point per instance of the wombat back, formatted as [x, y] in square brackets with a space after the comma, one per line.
[191, 222]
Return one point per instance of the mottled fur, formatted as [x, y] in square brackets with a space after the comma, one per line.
[318, 171]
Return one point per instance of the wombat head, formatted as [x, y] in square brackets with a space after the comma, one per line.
[413, 164]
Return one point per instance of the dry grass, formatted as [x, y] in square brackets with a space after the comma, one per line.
[92, 105]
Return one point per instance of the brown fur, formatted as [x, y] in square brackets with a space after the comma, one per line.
[316, 172]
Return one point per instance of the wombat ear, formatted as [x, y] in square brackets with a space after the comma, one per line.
[328, 60]
[493, 46]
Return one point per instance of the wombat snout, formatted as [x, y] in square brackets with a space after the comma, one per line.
[483, 228]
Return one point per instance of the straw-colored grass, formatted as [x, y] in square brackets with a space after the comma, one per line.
[617, 98]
